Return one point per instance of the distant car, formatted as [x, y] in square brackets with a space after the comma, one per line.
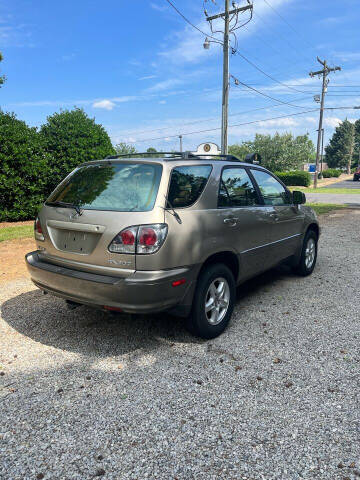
[357, 175]
[176, 233]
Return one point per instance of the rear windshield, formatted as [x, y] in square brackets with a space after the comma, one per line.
[124, 187]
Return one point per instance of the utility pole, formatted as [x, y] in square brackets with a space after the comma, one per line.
[322, 150]
[226, 84]
[324, 72]
[181, 144]
[226, 80]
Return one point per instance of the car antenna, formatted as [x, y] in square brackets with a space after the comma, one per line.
[172, 211]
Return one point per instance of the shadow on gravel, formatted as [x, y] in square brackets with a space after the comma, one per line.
[91, 332]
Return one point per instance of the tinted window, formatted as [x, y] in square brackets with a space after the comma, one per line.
[187, 184]
[236, 189]
[272, 191]
[124, 187]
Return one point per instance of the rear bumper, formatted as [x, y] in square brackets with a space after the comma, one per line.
[142, 292]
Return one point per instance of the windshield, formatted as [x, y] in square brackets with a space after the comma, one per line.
[124, 187]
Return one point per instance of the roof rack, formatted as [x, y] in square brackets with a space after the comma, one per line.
[250, 158]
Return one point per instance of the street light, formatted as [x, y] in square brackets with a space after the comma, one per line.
[207, 44]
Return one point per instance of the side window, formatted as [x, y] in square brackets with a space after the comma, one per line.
[272, 191]
[187, 184]
[236, 189]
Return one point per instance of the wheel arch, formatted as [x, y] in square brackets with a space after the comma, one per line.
[228, 258]
[315, 228]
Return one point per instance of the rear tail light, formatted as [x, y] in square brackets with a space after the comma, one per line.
[125, 241]
[39, 235]
[142, 239]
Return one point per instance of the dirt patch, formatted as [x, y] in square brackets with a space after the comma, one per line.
[12, 263]
[15, 224]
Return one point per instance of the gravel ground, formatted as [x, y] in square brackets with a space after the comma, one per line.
[85, 395]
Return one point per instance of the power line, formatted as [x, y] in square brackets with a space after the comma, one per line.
[237, 82]
[190, 23]
[266, 74]
[230, 126]
[346, 95]
[216, 118]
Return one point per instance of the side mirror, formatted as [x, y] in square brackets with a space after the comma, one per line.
[299, 198]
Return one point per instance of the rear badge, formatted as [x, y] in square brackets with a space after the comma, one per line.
[119, 262]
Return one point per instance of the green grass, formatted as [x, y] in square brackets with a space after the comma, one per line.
[352, 191]
[321, 208]
[12, 233]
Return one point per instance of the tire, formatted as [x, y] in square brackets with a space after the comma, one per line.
[308, 257]
[216, 283]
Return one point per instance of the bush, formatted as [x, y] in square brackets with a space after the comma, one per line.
[23, 164]
[295, 178]
[331, 172]
[71, 138]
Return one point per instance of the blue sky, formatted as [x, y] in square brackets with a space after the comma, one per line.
[137, 67]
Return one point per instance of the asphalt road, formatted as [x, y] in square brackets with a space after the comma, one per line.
[344, 184]
[85, 395]
[352, 200]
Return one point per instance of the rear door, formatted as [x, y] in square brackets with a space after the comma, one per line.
[245, 221]
[286, 218]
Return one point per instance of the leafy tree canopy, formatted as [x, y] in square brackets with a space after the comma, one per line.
[356, 142]
[280, 152]
[341, 145]
[71, 138]
[153, 151]
[23, 166]
[123, 148]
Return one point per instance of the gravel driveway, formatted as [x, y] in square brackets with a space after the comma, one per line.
[85, 395]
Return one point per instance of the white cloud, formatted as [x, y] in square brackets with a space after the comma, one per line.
[279, 122]
[15, 35]
[332, 122]
[188, 43]
[104, 104]
[159, 8]
[347, 56]
[68, 58]
[125, 99]
[162, 102]
[165, 85]
[147, 77]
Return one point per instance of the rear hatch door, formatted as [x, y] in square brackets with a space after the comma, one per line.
[101, 200]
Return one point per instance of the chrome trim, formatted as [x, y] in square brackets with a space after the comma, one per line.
[80, 227]
[271, 243]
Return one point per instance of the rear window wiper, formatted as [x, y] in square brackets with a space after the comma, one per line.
[66, 205]
[171, 210]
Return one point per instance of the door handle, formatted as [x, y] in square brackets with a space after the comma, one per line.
[231, 221]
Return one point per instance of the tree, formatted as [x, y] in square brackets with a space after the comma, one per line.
[123, 148]
[71, 138]
[356, 156]
[240, 150]
[280, 152]
[23, 167]
[341, 146]
[2, 77]
[154, 153]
